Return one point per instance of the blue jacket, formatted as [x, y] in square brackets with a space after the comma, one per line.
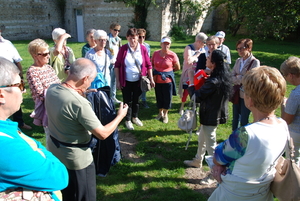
[164, 75]
[28, 165]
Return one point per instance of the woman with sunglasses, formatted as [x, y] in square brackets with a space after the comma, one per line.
[243, 64]
[243, 164]
[132, 63]
[25, 162]
[114, 43]
[290, 109]
[40, 75]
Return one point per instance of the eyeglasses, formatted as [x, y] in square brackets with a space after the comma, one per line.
[240, 48]
[102, 40]
[118, 30]
[141, 37]
[44, 54]
[21, 85]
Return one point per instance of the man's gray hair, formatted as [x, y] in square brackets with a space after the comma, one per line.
[8, 71]
[201, 36]
[83, 67]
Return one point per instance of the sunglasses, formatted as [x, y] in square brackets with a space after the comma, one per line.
[44, 54]
[141, 37]
[21, 85]
[118, 30]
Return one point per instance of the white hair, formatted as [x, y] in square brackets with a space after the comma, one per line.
[99, 33]
[57, 32]
[201, 36]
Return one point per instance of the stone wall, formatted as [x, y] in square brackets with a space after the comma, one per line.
[29, 19]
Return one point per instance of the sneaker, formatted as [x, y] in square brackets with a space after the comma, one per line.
[137, 121]
[129, 125]
[116, 101]
[165, 119]
[193, 163]
[181, 112]
[25, 126]
[208, 180]
[144, 104]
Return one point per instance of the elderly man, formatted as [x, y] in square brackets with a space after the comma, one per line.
[71, 123]
[9, 52]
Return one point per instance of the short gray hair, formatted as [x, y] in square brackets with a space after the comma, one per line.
[89, 31]
[201, 36]
[8, 71]
[83, 67]
[99, 33]
[57, 32]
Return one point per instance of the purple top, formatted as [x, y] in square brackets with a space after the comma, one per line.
[120, 63]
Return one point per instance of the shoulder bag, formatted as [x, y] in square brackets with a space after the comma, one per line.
[188, 121]
[145, 83]
[286, 183]
[236, 89]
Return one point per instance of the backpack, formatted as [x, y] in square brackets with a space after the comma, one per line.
[106, 153]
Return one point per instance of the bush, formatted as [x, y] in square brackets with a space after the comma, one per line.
[178, 33]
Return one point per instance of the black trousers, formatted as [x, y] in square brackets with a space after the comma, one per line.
[82, 185]
[163, 93]
[131, 93]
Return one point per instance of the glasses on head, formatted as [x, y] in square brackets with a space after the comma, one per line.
[21, 85]
[102, 40]
[141, 37]
[118, 30]
[44, 54]
[240, 48]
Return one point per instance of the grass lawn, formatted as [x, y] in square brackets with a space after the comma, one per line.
[161, 146]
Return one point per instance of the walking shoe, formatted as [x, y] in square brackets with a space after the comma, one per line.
[181, 112]
[116, 101]
[25, 126]
[144, 104]
[165, 119]
[158, 117]
[129, 125]
[193, 163]
[137, 121]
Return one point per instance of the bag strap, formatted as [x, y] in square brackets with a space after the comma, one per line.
[134, 59]
[248, 68]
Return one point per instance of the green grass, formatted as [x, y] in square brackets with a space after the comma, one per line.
[161, 146]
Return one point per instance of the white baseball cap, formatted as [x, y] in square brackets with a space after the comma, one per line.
[220, 34]
[165, 40]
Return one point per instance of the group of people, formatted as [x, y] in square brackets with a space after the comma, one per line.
[243, 164]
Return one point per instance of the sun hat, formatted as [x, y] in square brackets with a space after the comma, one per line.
[220, 34]
[165, 40]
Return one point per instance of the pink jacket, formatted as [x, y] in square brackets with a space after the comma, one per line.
[120, 63]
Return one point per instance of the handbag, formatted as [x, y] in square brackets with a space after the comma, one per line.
[24, 195]
[145, 83]
[286, 183]
[188, 121]
[235, 97]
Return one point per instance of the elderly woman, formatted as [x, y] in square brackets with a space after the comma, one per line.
[101, 58]
[164, 62]
[61, 56]
[40, 75]
[24, 162]
[89, 36]
[243, 64]
[213, 97]
[132, 63]
[243, 164]
[190, 56]
[290, 110]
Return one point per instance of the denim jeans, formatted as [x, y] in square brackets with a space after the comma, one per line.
[240, 114]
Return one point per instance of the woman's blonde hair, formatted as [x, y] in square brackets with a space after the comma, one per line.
[266, 87]
[291, 65]
[37, 45]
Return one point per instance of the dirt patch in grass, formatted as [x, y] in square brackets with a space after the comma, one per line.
[193, 175]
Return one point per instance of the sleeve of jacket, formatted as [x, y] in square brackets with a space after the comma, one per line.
[206, 90]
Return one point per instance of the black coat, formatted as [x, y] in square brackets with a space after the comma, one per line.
[213, 104]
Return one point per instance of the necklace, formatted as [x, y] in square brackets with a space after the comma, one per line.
[78, 90]
[266, 118]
